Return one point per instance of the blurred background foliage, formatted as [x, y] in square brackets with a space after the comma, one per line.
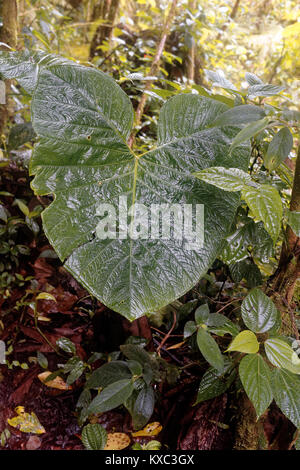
[121, 37]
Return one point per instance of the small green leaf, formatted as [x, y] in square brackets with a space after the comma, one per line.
[239, 115]
[189, 329]
[259, 312]
[228, 328]
[108, 374]
[249, 131]
[210, 349]
[202, 314]
[143, 407]
[216, 320]
[286, 388]
[42, 360]
[214, 383]
[281, 355]
[23, 208]
[135, 367]
[76, 371]
[218, 79]
[252, 79]
[135, 353]
[66, 345]
[293, 218]
[265, 204]
[256, 379]
[279, 149]
[111, 397]
[264, 90]
[228, 179]
[245, 342]
[94, 437]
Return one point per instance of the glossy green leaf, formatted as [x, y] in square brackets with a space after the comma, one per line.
[248, 270]
[214, 383]
[293, 218]
[76, 370]
[94, 437]
[111, 396]
[249, 131]
[286, 389]
[189, 329]
[256, 379]
[202, 314]
[227, 328]
[216, 319]
[245, 342]
[143, 407]
[25, 66]
[66, 344]
[83, 120]
[265, 204]
[239, 115]
[228, 179]
[210, 349]
[278, 149]
[109, 373]
[281, 355]
[259, 312]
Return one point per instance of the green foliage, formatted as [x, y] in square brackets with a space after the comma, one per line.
[93, 437]
[259, 312]
[127, 382]
[256, 379]
[107, 112]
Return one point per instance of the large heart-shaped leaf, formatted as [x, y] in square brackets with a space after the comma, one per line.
[83, 120]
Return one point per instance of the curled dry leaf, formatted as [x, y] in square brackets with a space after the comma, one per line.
[26, 422]
[117, 441]
[152, 429]
[55, 383]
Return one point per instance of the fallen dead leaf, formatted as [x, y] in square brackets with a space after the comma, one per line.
[33, 443]
[58, 382]
[117, 441]
[152, 429]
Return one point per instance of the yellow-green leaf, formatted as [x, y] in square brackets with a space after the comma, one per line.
[245, 342]
[26, 422]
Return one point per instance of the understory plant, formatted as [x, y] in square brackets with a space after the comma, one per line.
[229, 153]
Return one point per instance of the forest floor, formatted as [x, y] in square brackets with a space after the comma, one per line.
[93, 327]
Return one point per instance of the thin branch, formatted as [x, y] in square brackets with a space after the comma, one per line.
[153, 70]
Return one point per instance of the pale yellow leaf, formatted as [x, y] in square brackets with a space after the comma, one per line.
[152, 429]
[117, 441]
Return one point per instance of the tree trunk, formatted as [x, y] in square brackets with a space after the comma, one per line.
[107, 10]
[288, 271]
[153, 70]
[248, 431]
[8, 35]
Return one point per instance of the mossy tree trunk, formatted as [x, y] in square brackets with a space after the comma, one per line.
[8, 35]
[106, 10]
[249, 432]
